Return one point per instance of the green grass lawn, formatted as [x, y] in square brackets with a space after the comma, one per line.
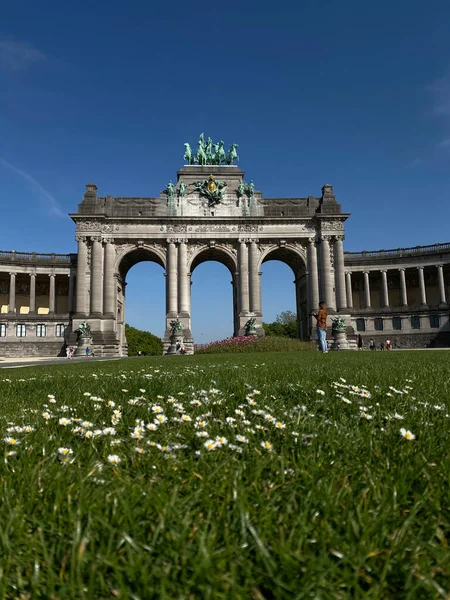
[302, 485]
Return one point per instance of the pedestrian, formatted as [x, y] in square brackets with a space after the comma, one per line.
[372, 344]
[360, 342]
[381, 345]
[388, 344]
[87, 350]
[68, 352]
[321, 318]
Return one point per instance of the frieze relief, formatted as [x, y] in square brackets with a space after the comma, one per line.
[331, 225]
[96, 226]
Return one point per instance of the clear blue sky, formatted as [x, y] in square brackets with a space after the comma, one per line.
[356, 94]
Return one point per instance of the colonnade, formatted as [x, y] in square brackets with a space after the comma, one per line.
[332, 289]
[385, 303]
[32, 293]
[96, 279]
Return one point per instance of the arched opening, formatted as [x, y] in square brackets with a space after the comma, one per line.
[214, 310]
[287, 283]
[140, 293]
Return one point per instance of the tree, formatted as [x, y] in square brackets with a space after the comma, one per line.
[285, 325]
[142, 341]
[286, 317]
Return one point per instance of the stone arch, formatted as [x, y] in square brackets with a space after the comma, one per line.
[294, 256]
[217, 253]
[130, 255]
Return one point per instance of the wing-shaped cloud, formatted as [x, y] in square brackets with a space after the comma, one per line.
[53, 207]
[18, 56]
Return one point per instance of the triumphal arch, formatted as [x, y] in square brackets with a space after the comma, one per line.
[211, 212]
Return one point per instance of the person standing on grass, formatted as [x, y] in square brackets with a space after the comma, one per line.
[372, 344]
[360, 342]
[321, 318]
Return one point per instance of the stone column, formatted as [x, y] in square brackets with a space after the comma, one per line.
[348, 285]
[423, 293]
[51, 295]
[367, 289]
[385, 303]
[443, 299]
[70, 299]
[109, 281]
[403, 292]
[183, 280]
[313, 274]
[243, 278]
[82, 289]
[235, 305]
[12, 292]
[341, 300]
[255, 279]
[32, 294]
[326, 272]
[171, 280]
[96, 277]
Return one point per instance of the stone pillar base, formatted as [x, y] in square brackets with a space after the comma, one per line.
[340, 341]
[82, 344]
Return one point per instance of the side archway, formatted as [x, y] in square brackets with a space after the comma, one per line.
[127, 257]
[294, 257]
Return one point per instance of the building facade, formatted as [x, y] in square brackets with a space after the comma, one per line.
[211, 213]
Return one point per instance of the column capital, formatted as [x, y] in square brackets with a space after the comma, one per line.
[96, 238]
[402, 269]
[326, 238]
[243, 240]
[171, 240]
[254, 241]
[108, 240]
[348, 272]
[420, 268]
[383, 270]
[81, 238]
[181, 240]
[439, 266]
[312, 240]
[366, 272]
[339, 238]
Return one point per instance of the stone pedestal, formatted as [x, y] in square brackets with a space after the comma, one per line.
[174, 340]
[83, 343]
[340, 341]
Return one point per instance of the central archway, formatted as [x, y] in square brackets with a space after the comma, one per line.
[227, 258]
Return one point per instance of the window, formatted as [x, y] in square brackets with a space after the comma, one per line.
[41, 330]
[2, 329]
[21, 330]
[435, 321]
[415, 322]
[378, 322]
[60, 330]
[397, 323]
[360, 325]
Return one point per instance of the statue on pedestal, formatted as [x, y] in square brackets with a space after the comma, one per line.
[249, 327]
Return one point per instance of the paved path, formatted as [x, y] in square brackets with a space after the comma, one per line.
[10, 363]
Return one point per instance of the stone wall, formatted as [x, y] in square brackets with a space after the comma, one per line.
[21, 349]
